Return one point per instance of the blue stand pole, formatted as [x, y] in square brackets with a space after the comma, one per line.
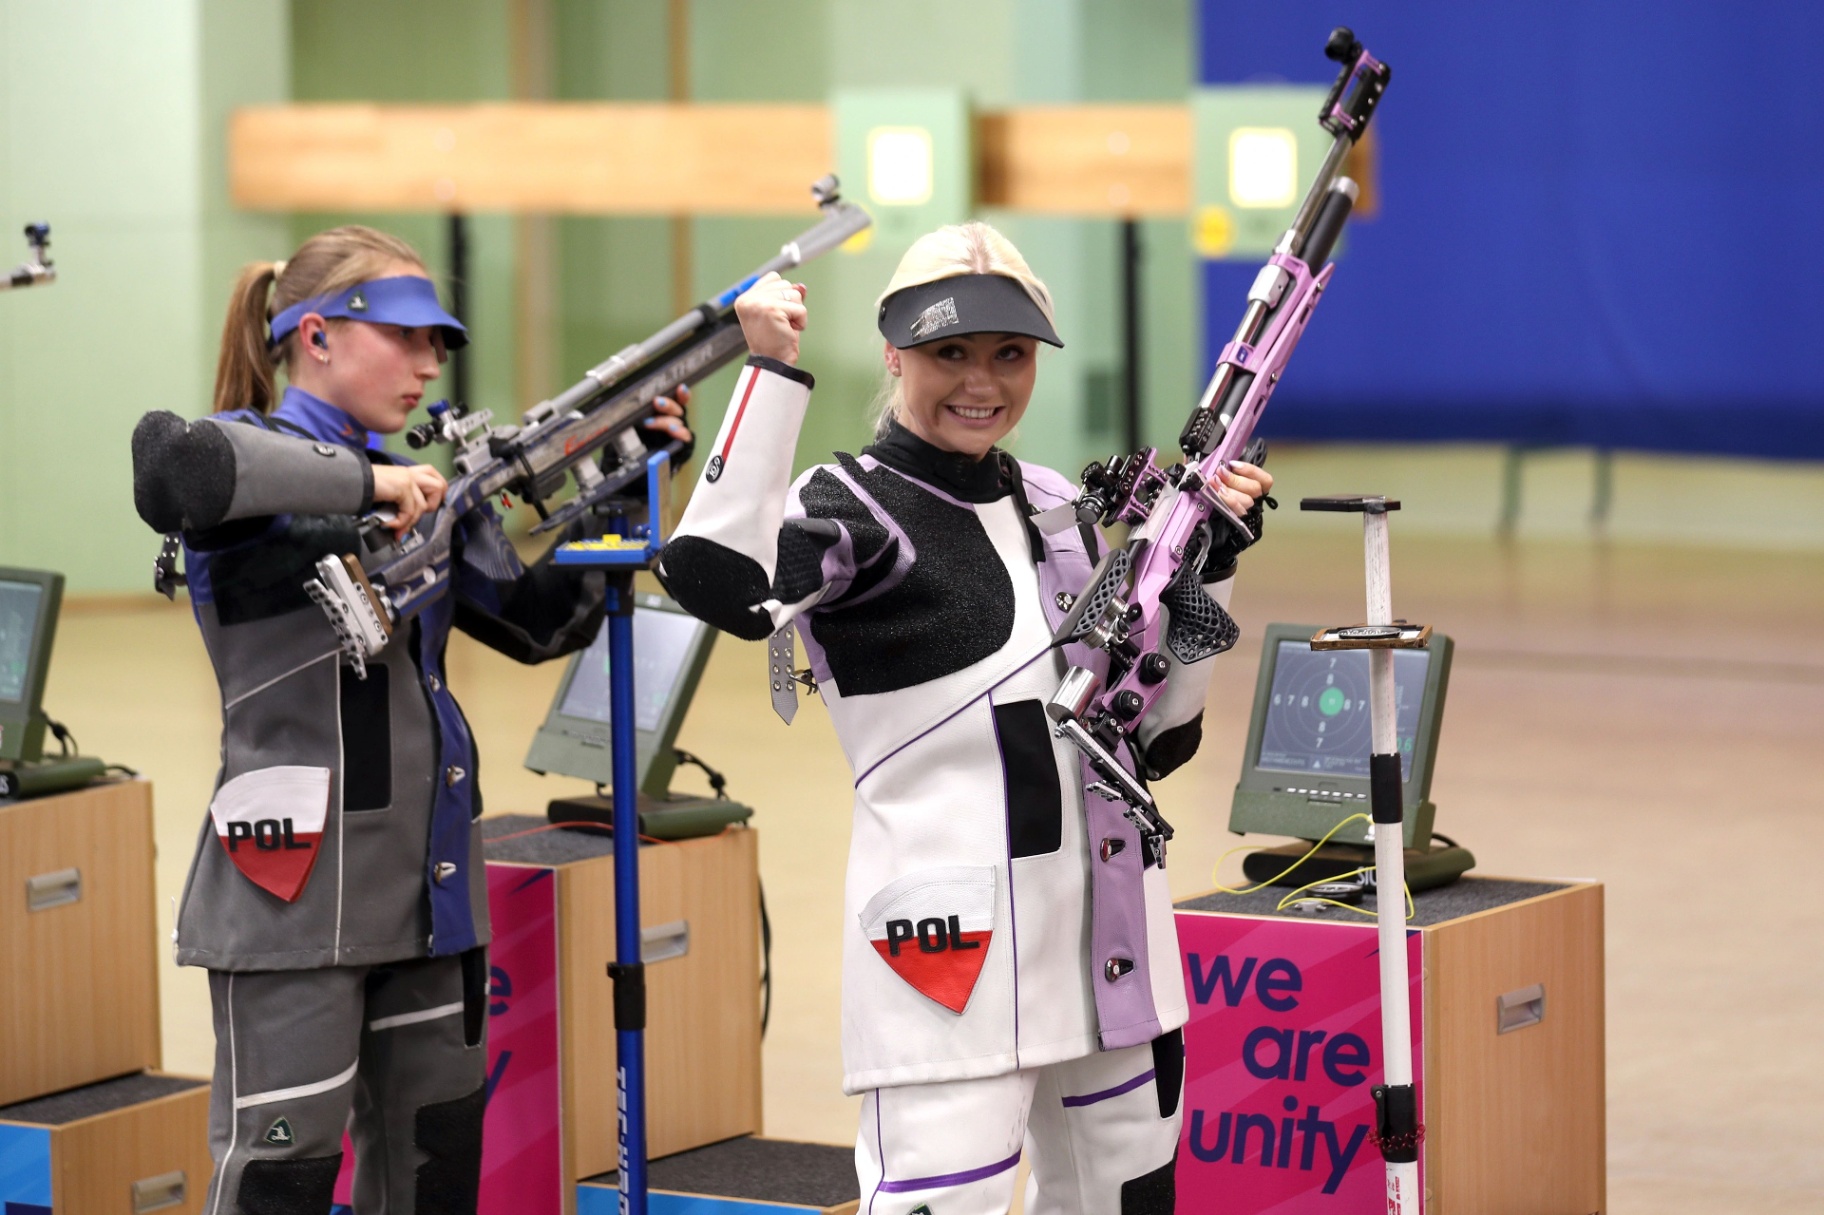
[628, 972]
[618, 556]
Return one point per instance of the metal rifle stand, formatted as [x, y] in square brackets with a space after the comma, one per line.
[1397, 1129]
[619, 555]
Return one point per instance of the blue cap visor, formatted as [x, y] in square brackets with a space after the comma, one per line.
[407, 300]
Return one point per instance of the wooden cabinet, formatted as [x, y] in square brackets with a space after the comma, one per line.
[700, 910]
[1284, 1045]
[1516, 1099]
[78, 967]
[128, 1146]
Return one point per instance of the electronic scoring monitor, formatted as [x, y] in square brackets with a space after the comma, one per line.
[1306, 763]
[29, 601]
[670, 648]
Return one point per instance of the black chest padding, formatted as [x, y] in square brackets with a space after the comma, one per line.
[266, 578]
[953, 608]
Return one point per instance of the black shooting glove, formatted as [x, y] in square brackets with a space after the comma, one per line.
[656, 439]
[1225, 554]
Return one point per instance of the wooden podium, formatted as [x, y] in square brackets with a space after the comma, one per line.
[78, 971]
[87, 1123]
[551, 898]
[1284, 1045]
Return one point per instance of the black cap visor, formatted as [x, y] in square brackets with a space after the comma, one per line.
[964, 304]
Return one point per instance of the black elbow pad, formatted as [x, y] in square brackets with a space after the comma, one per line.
[717, 585]
[154, 495]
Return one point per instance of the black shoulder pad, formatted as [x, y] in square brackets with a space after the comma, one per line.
[155, 440]
[183, 472]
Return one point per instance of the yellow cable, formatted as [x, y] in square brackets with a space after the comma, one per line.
[1289, 868]
[1319, 882]
[1411, 911]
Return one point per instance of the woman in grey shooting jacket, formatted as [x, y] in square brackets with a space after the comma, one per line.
[337, 896]
[1010, 970]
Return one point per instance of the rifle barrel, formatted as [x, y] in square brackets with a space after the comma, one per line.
[1293, 241]
[841, 221]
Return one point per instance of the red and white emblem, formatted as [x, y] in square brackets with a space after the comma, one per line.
[933, 928]
[270, 822]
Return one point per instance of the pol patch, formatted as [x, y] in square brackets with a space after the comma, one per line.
[270, 823]
[933, 928]
[280, 1133]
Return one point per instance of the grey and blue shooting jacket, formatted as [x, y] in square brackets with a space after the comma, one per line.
[384, 768]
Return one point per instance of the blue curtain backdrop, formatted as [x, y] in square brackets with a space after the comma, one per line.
[1600, 224]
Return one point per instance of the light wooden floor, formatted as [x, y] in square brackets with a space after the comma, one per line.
[1650, 718]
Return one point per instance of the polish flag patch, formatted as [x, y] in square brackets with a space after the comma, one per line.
[933, 928]
[270, 823]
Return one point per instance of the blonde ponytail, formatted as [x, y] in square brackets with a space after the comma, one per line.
[332, 261]
[244, 371]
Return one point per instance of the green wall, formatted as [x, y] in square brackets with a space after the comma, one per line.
[423, 51]
[163, 89]
[112, 121]
[616, 274]
[110, 128]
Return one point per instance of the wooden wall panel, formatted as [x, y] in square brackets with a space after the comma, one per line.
[587, 158]
[560, 158]
[1110, 160]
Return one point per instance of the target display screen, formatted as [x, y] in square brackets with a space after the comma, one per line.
[18, 630]
[1318, 716]
[661, 644]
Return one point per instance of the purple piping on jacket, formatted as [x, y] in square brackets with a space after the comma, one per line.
[873, 767]
[869, 463]
[880, 1148]
[838, 566]
[1071, 1103]
[947, 1179]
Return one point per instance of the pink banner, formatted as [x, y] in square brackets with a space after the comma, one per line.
[522, 1135]
[522, 1147]
[1282, 1050]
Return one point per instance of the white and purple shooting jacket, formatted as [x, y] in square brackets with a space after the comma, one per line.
[996, 917]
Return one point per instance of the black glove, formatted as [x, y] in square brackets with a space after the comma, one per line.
[655, 439]
[1226, 552]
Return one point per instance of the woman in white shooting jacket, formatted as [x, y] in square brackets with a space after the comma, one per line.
[1010, 968]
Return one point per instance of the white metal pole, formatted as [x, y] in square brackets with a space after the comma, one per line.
[1403, 1193]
